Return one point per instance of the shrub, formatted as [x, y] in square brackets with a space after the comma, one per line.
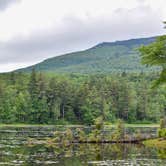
[81, 136]
[162, 133]
[163, 123]
[121, 128]
[99, 123]
[119, 133]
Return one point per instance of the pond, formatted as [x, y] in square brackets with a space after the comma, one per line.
[15, 151]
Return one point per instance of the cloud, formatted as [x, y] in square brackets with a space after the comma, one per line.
[6, 3]
[77, 32]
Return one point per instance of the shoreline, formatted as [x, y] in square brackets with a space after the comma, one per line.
[74, 125]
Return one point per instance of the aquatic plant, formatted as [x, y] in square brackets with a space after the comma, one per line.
[119, 133]
[80, 135]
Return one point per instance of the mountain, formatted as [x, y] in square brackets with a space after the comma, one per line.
[106, 57]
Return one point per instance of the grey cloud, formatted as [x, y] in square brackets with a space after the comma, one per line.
[77, 34]
[6, 3]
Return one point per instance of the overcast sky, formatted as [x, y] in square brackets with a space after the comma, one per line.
[34, 30]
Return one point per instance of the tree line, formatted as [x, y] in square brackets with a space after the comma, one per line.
[43, 98]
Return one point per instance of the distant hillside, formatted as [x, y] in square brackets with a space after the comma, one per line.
[106, 57]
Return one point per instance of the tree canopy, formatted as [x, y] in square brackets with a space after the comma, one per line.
[154, 54]
[41, 98]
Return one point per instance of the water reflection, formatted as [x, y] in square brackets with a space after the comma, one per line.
[15, 151]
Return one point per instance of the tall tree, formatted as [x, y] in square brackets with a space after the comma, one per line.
[52, 100]
[33, 84]
[33, 92]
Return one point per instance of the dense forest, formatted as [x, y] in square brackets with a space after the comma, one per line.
[43, 98]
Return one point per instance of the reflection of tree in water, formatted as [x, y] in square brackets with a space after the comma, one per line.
[96, 151]
[40, 153]
[77, 154]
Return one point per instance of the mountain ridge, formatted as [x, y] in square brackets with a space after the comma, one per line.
[105, 57]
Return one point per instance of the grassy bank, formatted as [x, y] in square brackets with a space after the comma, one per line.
[34, 125]
[46, 125]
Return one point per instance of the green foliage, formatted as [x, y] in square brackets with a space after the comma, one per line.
[63, 137]
[99, 123]
[120, 131]
[68, 134]
[162, 133]
[155, 55]
[157, 143]
[80, 99]
[81, 136]
[163, 123]
[96, 135]
[162, 130]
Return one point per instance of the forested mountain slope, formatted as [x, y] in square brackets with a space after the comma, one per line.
[106, 57]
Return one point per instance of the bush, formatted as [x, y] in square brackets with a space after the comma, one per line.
[119, 133]
[99, 123]
[121, 128]
[162, 133]
[163, 123]
[80, 134]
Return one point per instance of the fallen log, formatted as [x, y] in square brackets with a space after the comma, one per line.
[111, 141]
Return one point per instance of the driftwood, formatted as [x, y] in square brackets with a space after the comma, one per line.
[134, 141]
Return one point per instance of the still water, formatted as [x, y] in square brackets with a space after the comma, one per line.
[15, 151]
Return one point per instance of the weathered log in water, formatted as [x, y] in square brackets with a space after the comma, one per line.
[135, 141]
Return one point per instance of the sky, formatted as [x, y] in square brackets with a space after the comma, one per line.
[34, 30]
